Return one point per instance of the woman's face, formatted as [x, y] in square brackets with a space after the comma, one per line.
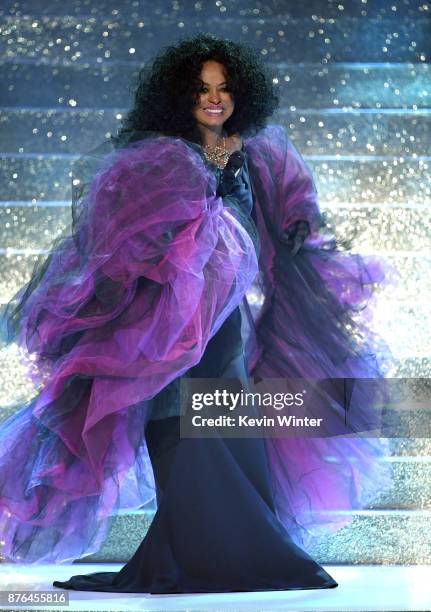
[215, 103]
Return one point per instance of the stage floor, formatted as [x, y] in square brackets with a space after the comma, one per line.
[361, 588]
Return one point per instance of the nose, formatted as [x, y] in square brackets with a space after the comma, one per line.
[214, 97]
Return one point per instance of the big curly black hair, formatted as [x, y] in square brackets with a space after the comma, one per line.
[168, 87]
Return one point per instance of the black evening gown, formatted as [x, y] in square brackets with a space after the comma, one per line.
[215, 528]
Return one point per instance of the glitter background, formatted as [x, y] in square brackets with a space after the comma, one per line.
[354, 79]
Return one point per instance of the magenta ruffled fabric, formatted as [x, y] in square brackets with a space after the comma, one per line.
[128, 303]
[316, 322]
[160, 265]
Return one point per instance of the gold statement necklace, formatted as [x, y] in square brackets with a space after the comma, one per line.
[218, 155]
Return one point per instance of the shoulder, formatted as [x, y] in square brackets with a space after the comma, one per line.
[270, 140]
[159, 145]
[273, 144]
[156, 155]
[274, 154]
[268, 133]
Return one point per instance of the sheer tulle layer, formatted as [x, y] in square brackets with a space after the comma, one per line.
[128, 303]
[124, 306]
[316, 322]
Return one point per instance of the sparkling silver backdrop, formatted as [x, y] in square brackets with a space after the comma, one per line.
[354, 79]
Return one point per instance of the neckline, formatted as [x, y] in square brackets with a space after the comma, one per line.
[199, 149]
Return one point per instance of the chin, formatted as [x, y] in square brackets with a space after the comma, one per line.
[212, 120]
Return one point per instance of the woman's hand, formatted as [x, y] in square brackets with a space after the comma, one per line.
[295, 235]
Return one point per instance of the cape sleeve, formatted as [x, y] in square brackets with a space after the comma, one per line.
[318, 304]
[160, 264]
[316, 323]
[127, 303]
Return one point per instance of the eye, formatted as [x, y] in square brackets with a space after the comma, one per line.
[203, 89]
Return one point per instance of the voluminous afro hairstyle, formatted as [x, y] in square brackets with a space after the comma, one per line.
[168, 88]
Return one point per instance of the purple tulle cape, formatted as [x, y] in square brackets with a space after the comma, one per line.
[128, 301]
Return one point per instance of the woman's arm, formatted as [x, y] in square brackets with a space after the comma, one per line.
[177, 261]
[285, 186]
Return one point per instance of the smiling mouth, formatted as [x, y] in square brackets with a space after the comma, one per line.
[213, 111]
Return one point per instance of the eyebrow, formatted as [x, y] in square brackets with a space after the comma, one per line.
[219, 83]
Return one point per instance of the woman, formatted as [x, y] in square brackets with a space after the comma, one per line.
[169, 249]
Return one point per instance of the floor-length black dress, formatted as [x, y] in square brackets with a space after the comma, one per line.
[215, 529]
